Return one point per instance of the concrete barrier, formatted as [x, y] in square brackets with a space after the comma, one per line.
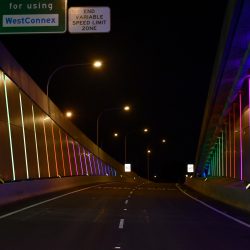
[16, 191]
[228, 191]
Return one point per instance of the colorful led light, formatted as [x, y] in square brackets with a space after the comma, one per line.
[46, 146]
[54, 146]
[24, 141]
[70, 167]
[85, 161]
[234, 155]
[73, 145]
[64, 172]
[241, 161]
[37, 154]
[80, 157]
[9, 127]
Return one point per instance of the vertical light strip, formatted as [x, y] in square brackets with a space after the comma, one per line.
[94, 164]
[9, 128]
[80, 157]
[98, 160]
[222, 154]
[226, 140]
[70, 167]
[54, 146]
[89, 156]
[46, 146]
[85, 161]
[230, 144]
[64, 172]
[217, 161]
[24, 141]
[37, 153]
[105, 169]
[73, 145]
[241, 160]
[234, 125]
[219, 156]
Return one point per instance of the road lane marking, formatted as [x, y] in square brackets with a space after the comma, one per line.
[121, 223]
[45, 201]
[126, 202]
[214, 209]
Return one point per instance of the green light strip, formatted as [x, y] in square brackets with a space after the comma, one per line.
[24, 141]
[9, 128]
[37, 154]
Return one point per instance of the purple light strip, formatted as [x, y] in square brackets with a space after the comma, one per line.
[73, 145]
[97, 159]
[64, 172]
[94, 164]
[89, 156]
[85, 161]
[80, 156]
[70, 167]
[241, 161]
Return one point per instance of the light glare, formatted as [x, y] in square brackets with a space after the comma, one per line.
[97, 64]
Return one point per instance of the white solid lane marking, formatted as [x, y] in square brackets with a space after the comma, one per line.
[42, 202]
[126, 202]
[215, 209]
[121, 223]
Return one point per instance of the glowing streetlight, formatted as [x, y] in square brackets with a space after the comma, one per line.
[116, 134]
[95, 64]
[125, 108]
[68, 114]
[145, 131]
[148, 154]
[163, 140]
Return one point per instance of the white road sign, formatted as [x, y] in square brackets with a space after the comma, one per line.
[89, 19]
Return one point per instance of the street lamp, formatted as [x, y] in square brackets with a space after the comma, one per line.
[68, 114]
[95, 64]
[145, 130]
[125, 108]
[148, 155]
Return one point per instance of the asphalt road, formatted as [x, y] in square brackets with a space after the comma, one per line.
[127, 216]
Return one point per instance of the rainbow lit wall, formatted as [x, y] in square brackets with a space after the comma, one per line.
[34, 145]
[224, 144]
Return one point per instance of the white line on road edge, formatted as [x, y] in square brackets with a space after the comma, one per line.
[214, 209]
[126, 202]
[121, 223]
[42, 202]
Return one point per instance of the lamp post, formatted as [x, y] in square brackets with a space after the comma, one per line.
[125, 108]
[95, 64]
[145, 130]
[148, 156]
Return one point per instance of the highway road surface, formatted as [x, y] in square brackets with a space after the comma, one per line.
[127, 216]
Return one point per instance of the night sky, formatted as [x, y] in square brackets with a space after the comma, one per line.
[157, 59]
